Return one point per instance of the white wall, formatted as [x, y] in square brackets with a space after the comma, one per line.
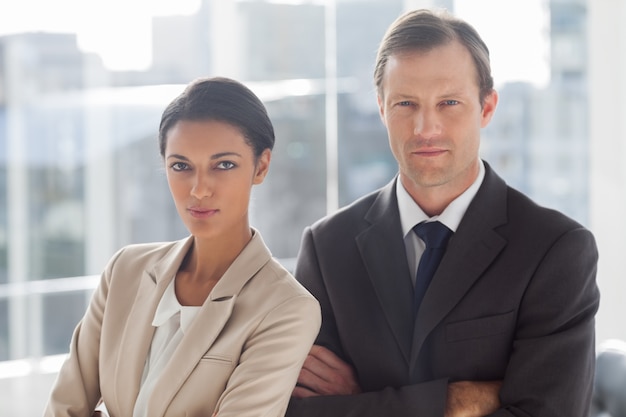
[607, 93]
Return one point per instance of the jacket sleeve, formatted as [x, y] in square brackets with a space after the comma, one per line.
[262, 382]
[76, 391]
[551, 368]
[418, 400]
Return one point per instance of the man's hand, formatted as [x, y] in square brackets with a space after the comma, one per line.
[324, 373]
[472, 399]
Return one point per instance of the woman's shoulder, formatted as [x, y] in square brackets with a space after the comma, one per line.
[149, 248]
[144, 254]
[273, 295]
[278, 285]
[140, 250]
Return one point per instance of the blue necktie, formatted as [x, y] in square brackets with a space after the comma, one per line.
[435, 235]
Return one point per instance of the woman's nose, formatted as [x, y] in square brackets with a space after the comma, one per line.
[202, 186]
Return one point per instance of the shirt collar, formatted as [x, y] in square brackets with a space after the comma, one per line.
[412, 214]
[169, 307]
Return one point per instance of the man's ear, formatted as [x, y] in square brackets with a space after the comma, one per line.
[490, 103]
[381, 108]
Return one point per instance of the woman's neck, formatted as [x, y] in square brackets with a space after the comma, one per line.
[205, 264]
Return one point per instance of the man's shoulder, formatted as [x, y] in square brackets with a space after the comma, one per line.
[349, 216]
[521, 206]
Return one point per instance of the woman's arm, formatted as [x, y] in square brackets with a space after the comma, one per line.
[76, 391]
[270, 362]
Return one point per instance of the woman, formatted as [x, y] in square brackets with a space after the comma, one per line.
[210, 325]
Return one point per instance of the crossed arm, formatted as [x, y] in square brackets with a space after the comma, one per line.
[324, 373]
[549, 371]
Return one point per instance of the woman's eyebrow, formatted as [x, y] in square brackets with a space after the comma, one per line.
[223, 154]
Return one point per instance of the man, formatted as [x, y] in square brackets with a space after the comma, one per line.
[506, 326]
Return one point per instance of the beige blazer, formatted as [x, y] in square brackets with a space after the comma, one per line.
[240, 357]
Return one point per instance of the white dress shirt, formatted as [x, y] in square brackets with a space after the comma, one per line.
[411, 214]
[171, 321]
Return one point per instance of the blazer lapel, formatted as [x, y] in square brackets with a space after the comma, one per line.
[137, 336]
[208, 324]
[382, 250]
[470, 251]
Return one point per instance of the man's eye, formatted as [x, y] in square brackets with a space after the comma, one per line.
[450, 102]
[179, 166]
[226, 165]
[404, 103]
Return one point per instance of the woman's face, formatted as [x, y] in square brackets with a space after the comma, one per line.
[210, 171]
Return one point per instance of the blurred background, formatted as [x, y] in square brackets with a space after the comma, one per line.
[83, 84]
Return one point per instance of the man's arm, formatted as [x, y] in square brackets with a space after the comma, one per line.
[328, 387]
[472, 398]
[551, 368]
[325, 374]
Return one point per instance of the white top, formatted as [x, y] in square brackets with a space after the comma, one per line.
[171, 321]
[411, 214]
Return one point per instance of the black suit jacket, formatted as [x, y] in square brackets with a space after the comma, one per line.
[514, 299]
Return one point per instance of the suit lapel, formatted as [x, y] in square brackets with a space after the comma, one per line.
[470, 251]
[137, 336]
[200, 335]
[382, 250]
[208, 324]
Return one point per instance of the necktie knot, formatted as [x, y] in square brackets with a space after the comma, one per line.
[434, 234]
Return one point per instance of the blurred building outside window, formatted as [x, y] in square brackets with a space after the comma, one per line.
[80, 173]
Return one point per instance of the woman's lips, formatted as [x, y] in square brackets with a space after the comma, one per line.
[201, 213]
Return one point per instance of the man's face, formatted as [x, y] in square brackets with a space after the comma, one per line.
[429, 102]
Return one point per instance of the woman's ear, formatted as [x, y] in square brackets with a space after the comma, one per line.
[262, 166]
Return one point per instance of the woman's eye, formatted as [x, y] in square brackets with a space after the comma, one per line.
[226, 165]
[404, 103]
[179, 166]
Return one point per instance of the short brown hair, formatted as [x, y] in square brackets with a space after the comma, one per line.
[422, 30]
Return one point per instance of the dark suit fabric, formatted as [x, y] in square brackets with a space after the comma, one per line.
[514, 299]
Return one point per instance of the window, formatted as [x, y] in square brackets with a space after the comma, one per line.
[80, 174]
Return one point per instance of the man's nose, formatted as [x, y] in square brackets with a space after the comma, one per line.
[427, 124]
